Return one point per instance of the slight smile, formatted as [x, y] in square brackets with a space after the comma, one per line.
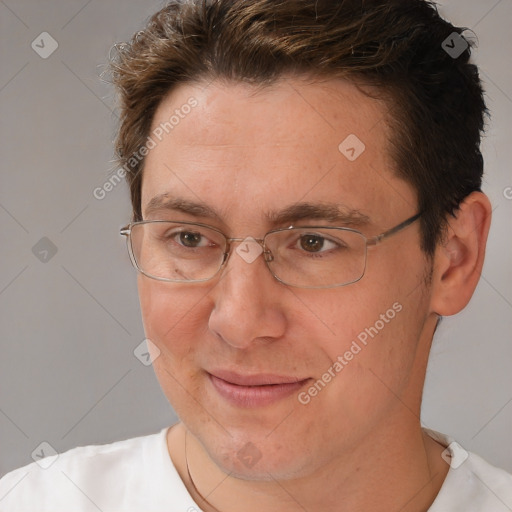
[254, 390]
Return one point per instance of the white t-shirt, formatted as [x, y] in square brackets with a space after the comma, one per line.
[138, 475]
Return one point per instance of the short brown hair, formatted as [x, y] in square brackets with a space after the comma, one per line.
[434, 97]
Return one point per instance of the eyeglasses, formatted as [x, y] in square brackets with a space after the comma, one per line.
[302, 257]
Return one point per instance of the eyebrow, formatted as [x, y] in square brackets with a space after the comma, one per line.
[330, 212]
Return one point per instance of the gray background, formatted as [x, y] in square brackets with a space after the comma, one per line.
[69, 325]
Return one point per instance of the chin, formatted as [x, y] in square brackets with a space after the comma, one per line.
[258, 459]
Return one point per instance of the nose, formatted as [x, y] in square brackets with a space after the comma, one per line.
[247, 303]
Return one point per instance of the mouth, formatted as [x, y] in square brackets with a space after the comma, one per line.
[254, 390]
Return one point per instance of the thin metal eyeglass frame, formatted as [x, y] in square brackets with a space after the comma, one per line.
[267, 255]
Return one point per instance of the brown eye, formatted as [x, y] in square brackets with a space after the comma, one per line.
[190, 238]
[312, 243]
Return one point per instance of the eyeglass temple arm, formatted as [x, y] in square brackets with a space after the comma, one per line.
[376, 239]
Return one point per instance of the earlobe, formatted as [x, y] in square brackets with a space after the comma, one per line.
[459, 258]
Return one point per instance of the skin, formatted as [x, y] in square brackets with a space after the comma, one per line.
[244, 152]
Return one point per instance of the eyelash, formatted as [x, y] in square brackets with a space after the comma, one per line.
[293, 244]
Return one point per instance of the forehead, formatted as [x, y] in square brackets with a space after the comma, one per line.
[229, 112]
[241, 148]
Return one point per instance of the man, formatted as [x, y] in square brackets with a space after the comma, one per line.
[304, 212]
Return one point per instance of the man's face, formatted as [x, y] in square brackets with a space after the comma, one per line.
[244, 153]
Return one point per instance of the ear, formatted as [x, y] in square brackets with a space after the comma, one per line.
[459, 257]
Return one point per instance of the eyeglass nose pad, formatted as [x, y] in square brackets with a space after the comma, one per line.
[268, 256]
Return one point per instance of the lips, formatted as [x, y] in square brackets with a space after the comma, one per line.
[254, 390]
[260, 379]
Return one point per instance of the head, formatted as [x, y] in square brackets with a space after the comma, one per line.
[242, 109]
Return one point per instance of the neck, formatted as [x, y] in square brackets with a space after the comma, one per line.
[400, 469]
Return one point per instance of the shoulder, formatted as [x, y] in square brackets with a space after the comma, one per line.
[495, 478]
[472, 484]
[477, 486]
[81, 477]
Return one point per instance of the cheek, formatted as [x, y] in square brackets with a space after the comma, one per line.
[173, 317]
[175, 320]
[376, 327]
